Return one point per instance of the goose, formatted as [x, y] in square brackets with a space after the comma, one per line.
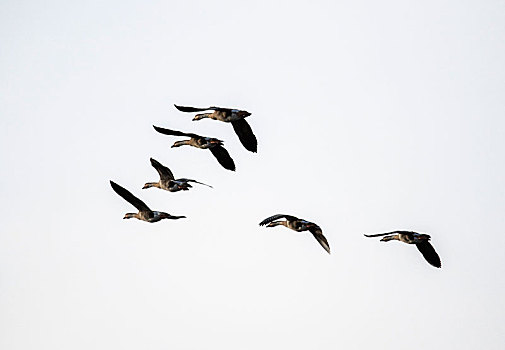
[298, 225]
[234, 116]
[144, 213]
[214, 145]
[422, 242]
[167, 180]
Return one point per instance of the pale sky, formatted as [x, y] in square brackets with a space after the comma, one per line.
[370, 117]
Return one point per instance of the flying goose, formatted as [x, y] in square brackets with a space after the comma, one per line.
[234, 116]
[144, 213]
[422, 242]
[214, 145]
[298, 225]
[167, 180]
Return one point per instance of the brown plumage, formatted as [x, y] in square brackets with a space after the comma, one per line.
[298, 225]
[213, 144]
[229, 115]
[167, 180]
[144, 213]
[422, 242]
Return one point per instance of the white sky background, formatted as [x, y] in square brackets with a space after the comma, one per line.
[370, 116]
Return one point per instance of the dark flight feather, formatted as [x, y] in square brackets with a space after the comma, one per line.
[223, 157]
[381, 234]
[318, 235]
[190, 109]
[429, 253]
[174, 132]
[277, 216]
[245, 134]
[165, 173]
[196, 109]
[129, 197]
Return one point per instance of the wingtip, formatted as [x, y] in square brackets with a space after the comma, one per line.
[230, 167]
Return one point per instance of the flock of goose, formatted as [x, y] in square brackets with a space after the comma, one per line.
[246, 136]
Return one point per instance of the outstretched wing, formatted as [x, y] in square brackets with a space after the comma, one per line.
[128, 196]
[245, 134]
[429, 253]
[223, 157]
[196, 109]
[174, 132]
[381, 234]
[191, 109]
[165, 173]
[277, 216]
[198, 182]
[318, 235]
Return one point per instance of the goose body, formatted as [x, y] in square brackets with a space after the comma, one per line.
[167, 180]
[144, 213]
[298, 225]
[422, 242]
[213, 144]
[228, 115]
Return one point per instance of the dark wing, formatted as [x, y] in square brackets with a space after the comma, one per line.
[165, 173]
[191, 109]
[318, 234]
[278, 216]
[198, 182]
[191, 180]
[382, 234]
[429, 253]
[174, 132]
[196, 109]
[128, 196]
[245, 134]
[223, 157]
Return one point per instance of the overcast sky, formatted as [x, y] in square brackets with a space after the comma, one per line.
[370, 117]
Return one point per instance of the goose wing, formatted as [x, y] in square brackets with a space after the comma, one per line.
[165, 173]
[245, 134]
[174, 132]
[429, 253]
[196, 109]
[278, 216]
[381, 234]
[317, 232]
[198, 182]
[129, 197]
[223, 157]
[191, 109]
